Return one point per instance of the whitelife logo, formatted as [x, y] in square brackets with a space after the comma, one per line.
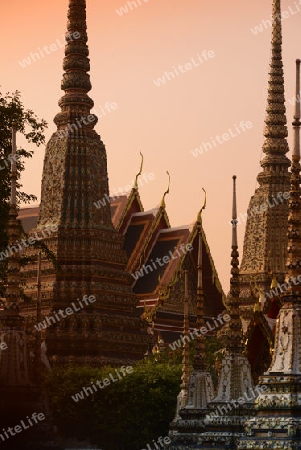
[85, 120]
[202, 331]
[68, 311]
[292, 10]
[145, 177]
[7, 160]
[33, 57]
[282, 288]
[183, 68]
[18, 428]
[259, 209]
[166, 259]
[3, 346]
[124, 9]
[225, 409]
[206, 146]
[294, 100]
[31, 240]
[103, 383]
[161, 441]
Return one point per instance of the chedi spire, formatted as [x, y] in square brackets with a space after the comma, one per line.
[235, 397]
[77, 177]
[265, 241]
[275, 145]
[75, 103]
[233, 333]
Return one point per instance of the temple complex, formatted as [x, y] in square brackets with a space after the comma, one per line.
[147, 294]
[118, 248]
[107, 249]
[131, 280]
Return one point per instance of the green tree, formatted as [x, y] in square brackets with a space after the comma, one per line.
[125, 415]
[27, 123]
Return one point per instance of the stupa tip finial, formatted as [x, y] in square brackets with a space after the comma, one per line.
[234, 214]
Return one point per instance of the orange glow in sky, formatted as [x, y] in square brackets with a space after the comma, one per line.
[168, 121]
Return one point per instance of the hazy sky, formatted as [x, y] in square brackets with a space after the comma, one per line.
[128, 52]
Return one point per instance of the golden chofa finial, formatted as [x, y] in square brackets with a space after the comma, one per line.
[203, 207]
[139, 173]
[166, 192]
[274, 283]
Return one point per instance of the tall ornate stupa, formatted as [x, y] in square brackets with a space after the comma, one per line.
[278, 422]
[88, 249]
[265, 241]
[235, 397]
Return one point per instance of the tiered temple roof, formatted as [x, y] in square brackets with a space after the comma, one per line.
[148, 236]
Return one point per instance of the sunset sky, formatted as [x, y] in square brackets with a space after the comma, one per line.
[128, 52]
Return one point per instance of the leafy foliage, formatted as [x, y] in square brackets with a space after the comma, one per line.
[27, 123]
[127, 414]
